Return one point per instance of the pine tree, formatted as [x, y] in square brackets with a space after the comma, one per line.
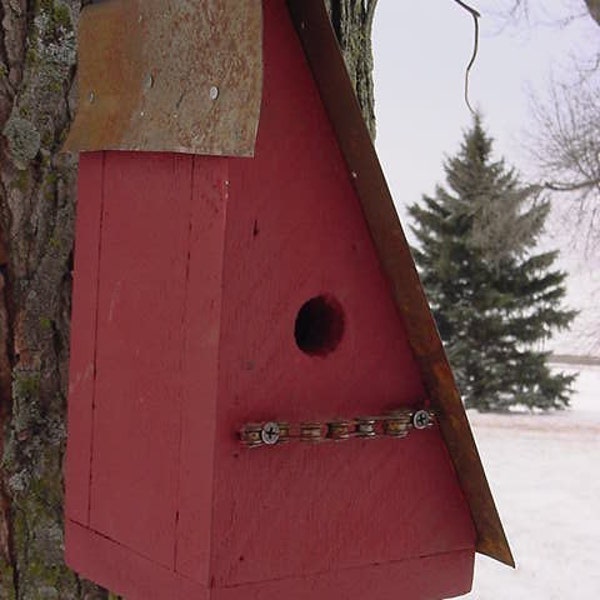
[494, 299]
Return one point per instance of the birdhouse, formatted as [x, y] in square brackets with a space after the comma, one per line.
[259, 404]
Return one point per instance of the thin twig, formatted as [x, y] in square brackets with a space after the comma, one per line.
[570, 187]
[476, 15]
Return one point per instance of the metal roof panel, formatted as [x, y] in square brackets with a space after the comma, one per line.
[179, 76]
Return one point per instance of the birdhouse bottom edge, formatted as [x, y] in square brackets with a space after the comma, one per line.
[135, 577]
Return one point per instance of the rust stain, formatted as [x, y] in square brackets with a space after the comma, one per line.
[158, 75]
[325, 59]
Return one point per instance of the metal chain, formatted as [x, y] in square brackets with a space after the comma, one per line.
[396, 424]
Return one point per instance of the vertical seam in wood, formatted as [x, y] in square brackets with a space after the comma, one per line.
[96, 326]
[182, 358]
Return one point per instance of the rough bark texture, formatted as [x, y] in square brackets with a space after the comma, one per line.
[37, 205]
[353, 23]
[37, 54]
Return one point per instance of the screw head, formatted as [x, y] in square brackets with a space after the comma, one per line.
[213, 92]
[149, 81]
[421, 419]
[91, 97]
[270, 433]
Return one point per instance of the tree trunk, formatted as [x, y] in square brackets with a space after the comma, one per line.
[37, 205]
[353, 24]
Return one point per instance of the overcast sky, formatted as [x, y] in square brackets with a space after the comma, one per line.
[421, 51]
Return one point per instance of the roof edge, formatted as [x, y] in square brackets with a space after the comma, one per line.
[324, 56]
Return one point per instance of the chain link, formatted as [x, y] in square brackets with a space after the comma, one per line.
[395, 424]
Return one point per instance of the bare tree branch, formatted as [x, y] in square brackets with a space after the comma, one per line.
[566, 146]
[476, 16]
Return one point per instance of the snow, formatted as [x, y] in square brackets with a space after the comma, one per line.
[544, 475]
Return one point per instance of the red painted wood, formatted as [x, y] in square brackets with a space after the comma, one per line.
[200, 366]
[83, 336]
[100, 559]
[439, 576]
[196, 268]
[297, 510]
[139, 387]
[130, 575]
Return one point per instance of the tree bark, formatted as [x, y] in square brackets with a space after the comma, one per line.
[593, 7]
[353, 23]
[37, 207]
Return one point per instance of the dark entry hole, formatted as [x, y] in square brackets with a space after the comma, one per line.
[319, 326]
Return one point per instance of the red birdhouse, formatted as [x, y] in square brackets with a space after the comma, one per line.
[260, 405]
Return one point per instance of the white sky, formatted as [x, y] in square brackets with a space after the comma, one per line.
[421, 50]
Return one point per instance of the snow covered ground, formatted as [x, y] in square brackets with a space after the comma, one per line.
[544, 473]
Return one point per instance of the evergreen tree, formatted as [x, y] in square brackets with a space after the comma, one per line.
[494, 299]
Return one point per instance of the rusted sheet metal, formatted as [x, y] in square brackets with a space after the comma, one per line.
[323, 54]
[169, 75]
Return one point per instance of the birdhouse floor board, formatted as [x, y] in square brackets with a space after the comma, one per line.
[136, 578]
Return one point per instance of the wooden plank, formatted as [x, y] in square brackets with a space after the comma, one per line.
[296, 230]
[202, 327]
[137, 418]
[83, 335]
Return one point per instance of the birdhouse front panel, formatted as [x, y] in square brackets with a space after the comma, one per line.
[310, 334]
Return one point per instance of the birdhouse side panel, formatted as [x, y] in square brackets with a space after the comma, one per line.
[139, 388]
[311, 334]
[147, 328]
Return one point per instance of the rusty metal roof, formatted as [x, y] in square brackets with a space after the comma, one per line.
[167, 75]
[324, 56]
